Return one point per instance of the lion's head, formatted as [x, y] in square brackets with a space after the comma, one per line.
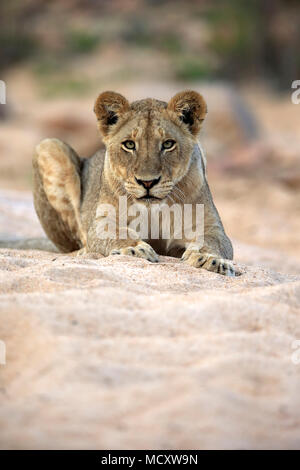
[149, 142]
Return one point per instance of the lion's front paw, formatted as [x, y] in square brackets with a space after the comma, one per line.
[141, 250]
[210, 262]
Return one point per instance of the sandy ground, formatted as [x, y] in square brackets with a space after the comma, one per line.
[121, 353]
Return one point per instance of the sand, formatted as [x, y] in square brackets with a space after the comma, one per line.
[119, 353]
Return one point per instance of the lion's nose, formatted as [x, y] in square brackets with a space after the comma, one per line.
[148, 184]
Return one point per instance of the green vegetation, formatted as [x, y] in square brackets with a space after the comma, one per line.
[64, 87]
[170, 43]
[235, 28]
[81, 41]
[46, 66]
[192, 69]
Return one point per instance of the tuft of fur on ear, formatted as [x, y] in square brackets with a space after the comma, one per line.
[108, 108]
[190, 107]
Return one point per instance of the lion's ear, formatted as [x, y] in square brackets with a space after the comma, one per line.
[108, 108]
[190, 107]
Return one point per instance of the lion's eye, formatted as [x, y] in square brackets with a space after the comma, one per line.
[168, 144]
[129, 144]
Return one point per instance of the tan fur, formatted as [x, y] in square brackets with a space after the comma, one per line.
[74, 188]
[61, 183]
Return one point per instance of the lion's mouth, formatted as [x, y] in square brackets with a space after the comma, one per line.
[149, 197]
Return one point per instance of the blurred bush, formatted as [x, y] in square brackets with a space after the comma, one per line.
[190, 69]
[81, 41]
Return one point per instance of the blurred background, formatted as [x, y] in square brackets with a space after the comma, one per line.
[56, 57]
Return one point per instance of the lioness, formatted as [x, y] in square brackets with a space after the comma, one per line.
[152, 157]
